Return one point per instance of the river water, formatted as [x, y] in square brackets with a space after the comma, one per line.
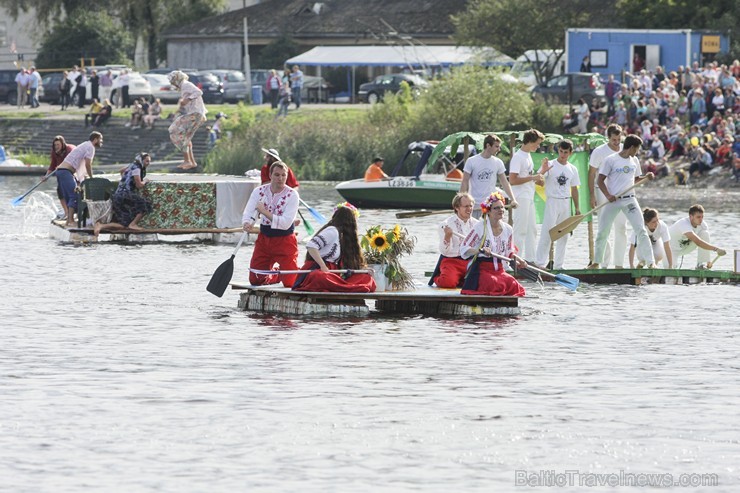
[119, 372]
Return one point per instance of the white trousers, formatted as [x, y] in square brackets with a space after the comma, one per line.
[631, 210]
[702, 256]
[658, 254]
[525, 229]
[556, 211]
[620, 237]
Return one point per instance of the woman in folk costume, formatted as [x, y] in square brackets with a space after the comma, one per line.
[190, 116]
[486, 275]
[334, 247]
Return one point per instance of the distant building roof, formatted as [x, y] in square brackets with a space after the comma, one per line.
[346, 21]
[400, 56]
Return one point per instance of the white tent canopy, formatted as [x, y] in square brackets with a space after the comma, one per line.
[399, 56]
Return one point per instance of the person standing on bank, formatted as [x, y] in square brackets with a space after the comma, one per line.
[480, 173]
[77, 165]
[561, 188]
[487, 276]
[296, 85]
[616, 174]
[692, 233]
[523, 180]
[612, 146]
[277, 205]
[59, 151]
[336, 246]
[451, 267]
[190, 117]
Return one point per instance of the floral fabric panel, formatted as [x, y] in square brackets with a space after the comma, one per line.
[181, 205]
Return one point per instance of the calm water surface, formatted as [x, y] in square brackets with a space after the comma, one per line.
[119, 372]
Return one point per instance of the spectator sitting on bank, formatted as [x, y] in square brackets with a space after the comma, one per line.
[701, 163]
[155, 110]
[657, 149]
[659, 168]
[137, 112]
[95, 109]
[104, 114]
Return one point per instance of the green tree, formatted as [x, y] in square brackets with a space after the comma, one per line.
[274, 54]
[85, 37]
[515, 26]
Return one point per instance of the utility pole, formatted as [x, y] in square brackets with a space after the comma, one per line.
[247, 67]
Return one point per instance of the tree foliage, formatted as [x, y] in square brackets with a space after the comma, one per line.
[515, 26]
[274, 54]
[85, 37]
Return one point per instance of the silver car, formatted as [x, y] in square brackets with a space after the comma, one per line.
[235, 85]
[161, 88]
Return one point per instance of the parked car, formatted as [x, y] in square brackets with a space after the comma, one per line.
[8, 87]
[138, 87]
[569, 88]
[235, 85]
[259, 78]
[372, 92]
[167, 70]
[161, 88]
[52, 93]
[213, 90]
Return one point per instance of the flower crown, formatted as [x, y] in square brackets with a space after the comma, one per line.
[348, 206]
[490, 200]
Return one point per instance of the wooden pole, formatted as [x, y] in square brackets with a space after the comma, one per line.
[590, 224]
[512, 143]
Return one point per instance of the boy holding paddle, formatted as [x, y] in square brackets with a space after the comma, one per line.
[616, 174]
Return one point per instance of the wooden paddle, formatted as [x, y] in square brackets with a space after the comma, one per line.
[222, 277]
[711, 263]
[403, 215]
[16, 201]
[565, 227]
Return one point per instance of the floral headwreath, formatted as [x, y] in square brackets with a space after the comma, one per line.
[348, 206]
[488, 203]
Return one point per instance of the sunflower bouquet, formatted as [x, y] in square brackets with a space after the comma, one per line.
[385, 247]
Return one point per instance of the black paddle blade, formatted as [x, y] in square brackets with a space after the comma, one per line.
[221, 278]
[528, 274]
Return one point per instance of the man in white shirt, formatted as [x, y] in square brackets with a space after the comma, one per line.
[613, 145]
[689, 234]
[480, 173]
[523, 180]
[616, 175]
[451, 267]
[22, 81]
[76, 166]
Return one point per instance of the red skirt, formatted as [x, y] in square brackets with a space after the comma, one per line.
[451, 272]
[493, 282]
[271, 250]
[332, 282]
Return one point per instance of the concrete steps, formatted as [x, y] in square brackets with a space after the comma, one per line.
[120, 143]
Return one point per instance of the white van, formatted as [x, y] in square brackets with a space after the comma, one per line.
[524, 66]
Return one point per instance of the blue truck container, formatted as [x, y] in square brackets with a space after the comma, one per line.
[612, 51]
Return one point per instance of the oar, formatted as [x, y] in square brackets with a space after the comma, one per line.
[222, 277]
[526, 272]
[282, 272]
[565, 227]
[16, 201]
[403, 215]
[565, 280]
[316, 214]
[711, 263]
[306, 224]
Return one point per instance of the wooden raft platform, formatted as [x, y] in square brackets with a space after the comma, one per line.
[423, 301]
[638, 277]
[60, 232]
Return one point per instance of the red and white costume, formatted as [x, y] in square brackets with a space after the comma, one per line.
[451, 267]
[487, 275]
[326, 242]
[276, 243]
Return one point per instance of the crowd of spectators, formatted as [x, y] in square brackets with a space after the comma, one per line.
[691, 113]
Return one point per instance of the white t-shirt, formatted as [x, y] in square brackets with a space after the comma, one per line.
[77, 157]
[620, 172]
[559, 178]
[521, 163]
[600, 153]
[483, 173]
[678, 232]
[661, 234]
[327, 243]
